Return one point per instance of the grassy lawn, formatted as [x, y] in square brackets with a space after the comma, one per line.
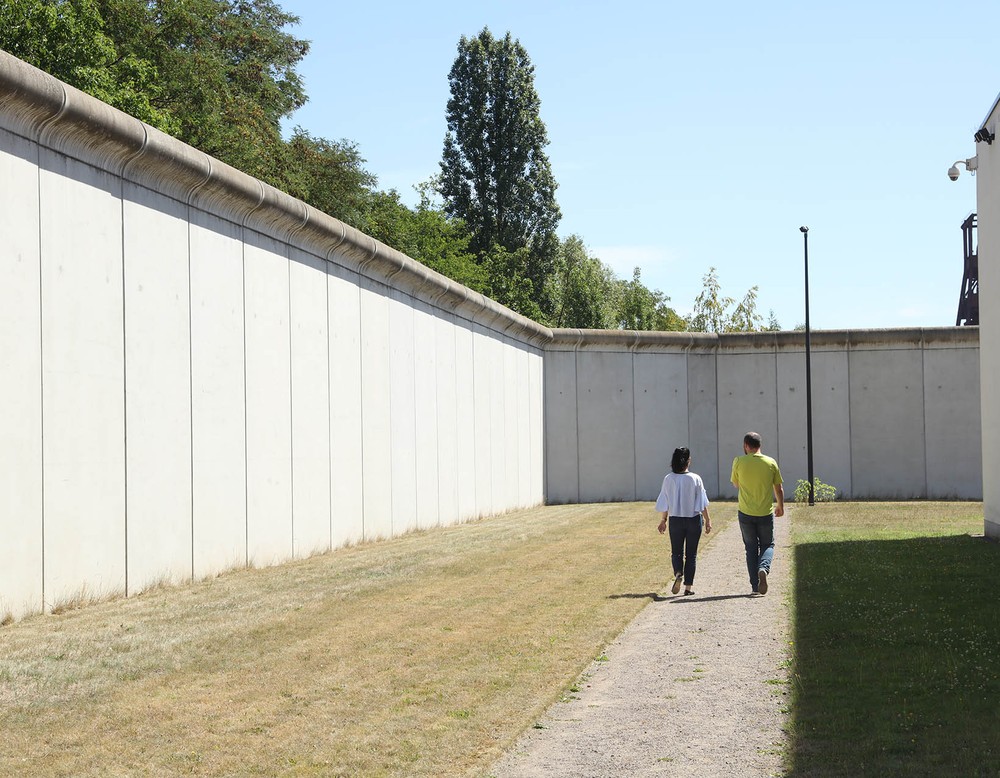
[896, 638]
[421, 656]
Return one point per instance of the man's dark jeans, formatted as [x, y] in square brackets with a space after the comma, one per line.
[758, 540]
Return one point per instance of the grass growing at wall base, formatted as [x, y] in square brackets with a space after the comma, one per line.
[424, 655]
[897, 626]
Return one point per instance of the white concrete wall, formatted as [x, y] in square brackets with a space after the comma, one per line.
[896, 413]
[988, 210]
[199, 372]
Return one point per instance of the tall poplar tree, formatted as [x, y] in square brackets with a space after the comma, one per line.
[495, 175]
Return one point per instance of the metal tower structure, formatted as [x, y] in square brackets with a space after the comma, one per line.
[968, 301]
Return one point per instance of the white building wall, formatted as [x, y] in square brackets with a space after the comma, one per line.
[988, 210]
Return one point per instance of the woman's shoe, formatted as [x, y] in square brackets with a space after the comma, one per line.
[677, 583]
[689, 591]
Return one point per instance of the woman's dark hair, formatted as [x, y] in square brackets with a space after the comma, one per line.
[679, 461]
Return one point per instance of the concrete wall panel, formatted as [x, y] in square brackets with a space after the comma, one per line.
[446, 399]
[83, 380]
[747, 402]
[661, 402]
[426, 410]
[346, 433]
[375, 415]
[887, 430]
[218, 398]
[485, 386]
[310, 366]
[21, 399]
[703, 421]
[605, 399]
[562, 456]
[465, 413]
[953, 425]
[831, 425]
[523, 439]
[498, 424]
[158, 389]
[269, 403]
[511, 422]
[536, 383]
[402, 414]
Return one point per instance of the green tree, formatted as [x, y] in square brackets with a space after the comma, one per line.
[427, 235]
[642, 308]
[715, 312]
[67, 38]
[495, 175]
[582, 288]
[226, 72]
[329, 176]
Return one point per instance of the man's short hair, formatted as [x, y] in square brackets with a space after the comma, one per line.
[752, 439]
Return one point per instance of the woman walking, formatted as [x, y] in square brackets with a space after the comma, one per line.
[684, 503]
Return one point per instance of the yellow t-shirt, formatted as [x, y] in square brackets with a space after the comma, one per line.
[757, 476]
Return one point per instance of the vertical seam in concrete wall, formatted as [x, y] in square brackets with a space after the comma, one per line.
[416, 468]
[777, 415]
[246, 448]
[329, 410]
[475, 461]
[850, 433]
[576, 415]
[458, 428]
[291, 403]
[635, 442]
[190, 384]
[121, 202]
[361, 395]
[923, 408]
[41, 371]
[718, 453]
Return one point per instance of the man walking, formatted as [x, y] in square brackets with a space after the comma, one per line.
[757, 478]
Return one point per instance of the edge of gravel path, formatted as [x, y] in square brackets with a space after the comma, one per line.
[694, 686]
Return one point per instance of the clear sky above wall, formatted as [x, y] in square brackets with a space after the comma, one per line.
[691, 135]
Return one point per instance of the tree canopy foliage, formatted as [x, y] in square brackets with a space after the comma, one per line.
[221, 75]
[495, 175]
[715, 312]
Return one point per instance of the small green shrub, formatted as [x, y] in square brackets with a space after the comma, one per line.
[821, 492]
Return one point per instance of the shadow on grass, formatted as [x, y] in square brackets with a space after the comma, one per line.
[897, 658]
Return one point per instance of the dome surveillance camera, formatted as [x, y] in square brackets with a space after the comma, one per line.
[953, 172]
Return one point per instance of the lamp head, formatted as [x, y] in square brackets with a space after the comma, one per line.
[803, 229]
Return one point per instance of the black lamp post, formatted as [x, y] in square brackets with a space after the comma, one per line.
[809, 415]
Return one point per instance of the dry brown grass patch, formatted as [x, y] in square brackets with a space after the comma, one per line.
[424, 655]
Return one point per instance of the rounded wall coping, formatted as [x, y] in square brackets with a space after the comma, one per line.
[61, 118]
[750, 342]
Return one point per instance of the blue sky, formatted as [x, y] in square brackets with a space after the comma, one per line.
[685, 136]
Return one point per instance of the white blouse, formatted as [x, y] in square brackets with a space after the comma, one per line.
[682, 494]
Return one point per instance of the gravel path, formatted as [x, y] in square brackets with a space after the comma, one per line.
[694, 686]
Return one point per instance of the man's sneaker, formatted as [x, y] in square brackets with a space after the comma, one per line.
[762, 581]
[677, 583]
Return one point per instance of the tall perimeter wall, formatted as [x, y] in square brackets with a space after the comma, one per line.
[199, 372]
[896, 413]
